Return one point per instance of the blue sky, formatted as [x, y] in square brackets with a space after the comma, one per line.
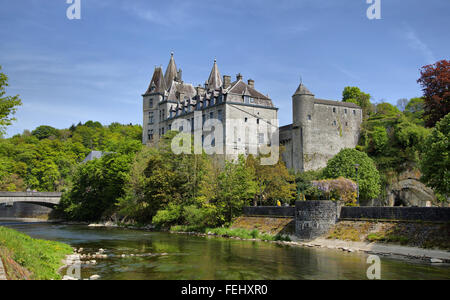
[96, 68]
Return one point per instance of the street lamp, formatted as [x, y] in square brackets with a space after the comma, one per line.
[357, 183]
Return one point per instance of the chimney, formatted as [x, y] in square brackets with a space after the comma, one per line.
[251, 83]
[239, 76]
[226, 81]
[180, 75]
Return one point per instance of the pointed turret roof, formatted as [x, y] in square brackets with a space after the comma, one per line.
[215, 80]
[171, 72]
[303, 90]
[157, 84]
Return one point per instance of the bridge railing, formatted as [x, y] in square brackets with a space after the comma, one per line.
[30, 194]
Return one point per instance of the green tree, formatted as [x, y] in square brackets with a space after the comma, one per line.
[415, 111]
[237, 187]
[343, 165]
[435, 164]
[355, 95]
[8, 104]
[44, 132]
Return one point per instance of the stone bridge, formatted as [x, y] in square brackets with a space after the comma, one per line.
[39, 198]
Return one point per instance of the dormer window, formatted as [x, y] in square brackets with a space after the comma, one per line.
[248, 99]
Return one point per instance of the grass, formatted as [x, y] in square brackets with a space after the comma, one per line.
[41, 258]
[231, 232]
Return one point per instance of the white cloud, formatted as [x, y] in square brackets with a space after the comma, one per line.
[417, 44]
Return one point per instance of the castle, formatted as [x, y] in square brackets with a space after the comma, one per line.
[234, 118]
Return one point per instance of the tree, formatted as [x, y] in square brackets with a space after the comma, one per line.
[435, 164]
[8, 104]
[414, 110]
[237, 187]
[44, 132]
[273, 182]
[343, 165]
[435, 81]
[355, 95]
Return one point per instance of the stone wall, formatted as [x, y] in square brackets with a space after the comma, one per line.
[25, 211]
[433, 214]
[315, 218]
[267, 211]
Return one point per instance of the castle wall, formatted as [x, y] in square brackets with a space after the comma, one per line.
[331, 129]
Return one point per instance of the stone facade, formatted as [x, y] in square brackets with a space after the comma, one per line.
[320, 129]
[315, 218]
[171, 104]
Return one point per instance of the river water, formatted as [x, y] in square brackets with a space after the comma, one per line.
[175, 256]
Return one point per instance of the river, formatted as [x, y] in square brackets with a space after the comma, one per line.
[211, 258]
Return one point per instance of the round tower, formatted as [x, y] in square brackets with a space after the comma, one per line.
[302, 105]
[302, 109]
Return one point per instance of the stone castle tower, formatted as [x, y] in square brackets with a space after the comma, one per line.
[319, 130]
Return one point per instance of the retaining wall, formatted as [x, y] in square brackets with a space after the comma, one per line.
[433, 214]
[270, 211]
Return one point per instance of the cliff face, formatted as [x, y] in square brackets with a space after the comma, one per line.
[405, 189]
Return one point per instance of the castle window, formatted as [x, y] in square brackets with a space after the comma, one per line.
[334, 109]
[162, 131]
[180, 129]
[213, 143]
[204, 119]
[211, 115]
[246, 119]
[150, 135]
[346, 123]
[345, 111]
[334, 123]
[170, 127]
[192, 124]
[354, 112]
[309, 117]
[150, 103]
[150, 118]
[257, 121]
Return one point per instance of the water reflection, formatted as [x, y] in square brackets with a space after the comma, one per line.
[191, 257]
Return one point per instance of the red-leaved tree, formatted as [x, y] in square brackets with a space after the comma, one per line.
[435, 81]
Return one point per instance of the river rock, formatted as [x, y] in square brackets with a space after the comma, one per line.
[436, 261]
[67, 277]
[94, 277]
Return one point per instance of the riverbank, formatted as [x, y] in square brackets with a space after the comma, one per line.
[345, 236]
[26, 258]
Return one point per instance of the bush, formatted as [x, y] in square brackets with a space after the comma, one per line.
[343, 165]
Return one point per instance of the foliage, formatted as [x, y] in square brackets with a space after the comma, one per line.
[414, 111]
[435, 81]
[273, 182]
[355, 95]
[96, 187]
[241, 233]
[236, 188]
[42, 258]
[8, 104]
[338, 189]
[343, 165]
[435, 164]
[46, 159]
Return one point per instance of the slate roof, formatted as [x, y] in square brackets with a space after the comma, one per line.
[336, 103]
[241, 88]
[157, 84]
[171, 72]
